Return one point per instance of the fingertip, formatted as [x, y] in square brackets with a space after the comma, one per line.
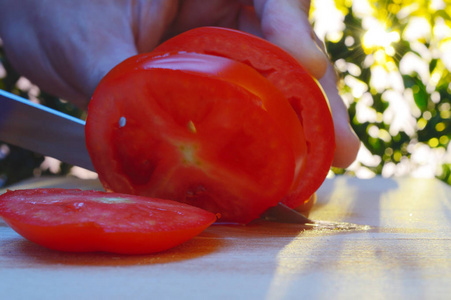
[306, 51]
[288, 27]
[313, 59]
[103, 62]
[347, 147]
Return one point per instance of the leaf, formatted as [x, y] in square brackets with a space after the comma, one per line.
[420, 96]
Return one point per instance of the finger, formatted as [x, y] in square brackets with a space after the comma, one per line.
[136, 29]
[249, 22]
[346, 141]
[286, 23]
[30, 60]
[91, 50]
[98, 64]
[151, 21]
[89, 64]
[67, 60]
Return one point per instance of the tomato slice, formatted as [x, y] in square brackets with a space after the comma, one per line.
[195, 128]
[285, 73]
[87, 221]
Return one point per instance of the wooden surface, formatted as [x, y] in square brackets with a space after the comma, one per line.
[400, 248]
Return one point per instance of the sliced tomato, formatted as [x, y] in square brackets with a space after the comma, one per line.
[86, 221]
[199, 129]
[285, 73]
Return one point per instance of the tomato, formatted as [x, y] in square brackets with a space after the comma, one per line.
[199, 129]
[285, 73]
[84, 221]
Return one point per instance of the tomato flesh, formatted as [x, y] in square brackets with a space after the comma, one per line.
[159, 127]
[286, 74]
[85, 221]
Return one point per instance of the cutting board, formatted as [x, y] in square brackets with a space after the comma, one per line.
[393, 242]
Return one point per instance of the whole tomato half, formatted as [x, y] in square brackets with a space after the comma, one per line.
[216, 118]
[286, 74]
[200, 129]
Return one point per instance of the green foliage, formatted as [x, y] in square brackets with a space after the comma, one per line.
[427, 121]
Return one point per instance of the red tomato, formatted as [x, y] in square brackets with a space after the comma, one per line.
[85, 221]
[285, 73]
[199, 129]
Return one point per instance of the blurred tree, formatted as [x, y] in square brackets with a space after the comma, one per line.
[394, 57]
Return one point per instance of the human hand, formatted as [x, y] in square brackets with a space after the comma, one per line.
[66, 47]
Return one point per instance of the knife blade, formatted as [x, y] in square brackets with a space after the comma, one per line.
[43, 130]
[49, 132]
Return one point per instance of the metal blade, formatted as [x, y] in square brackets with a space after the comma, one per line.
[285, 214]
[43, 130]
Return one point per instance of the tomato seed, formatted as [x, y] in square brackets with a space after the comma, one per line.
[191, 127]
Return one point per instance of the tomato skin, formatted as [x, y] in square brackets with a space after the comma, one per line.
[285, 73]
[195, 136]
[86, 221]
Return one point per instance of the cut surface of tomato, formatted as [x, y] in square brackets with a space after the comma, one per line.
[286, 74]
[87, 221]
[181, 127]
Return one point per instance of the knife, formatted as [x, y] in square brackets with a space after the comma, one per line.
[43, 130]
[49, 132]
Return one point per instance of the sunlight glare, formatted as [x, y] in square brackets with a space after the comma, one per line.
[418, 28]
[377, 36]
[328, 20]
[365, 111]
[399, 113]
